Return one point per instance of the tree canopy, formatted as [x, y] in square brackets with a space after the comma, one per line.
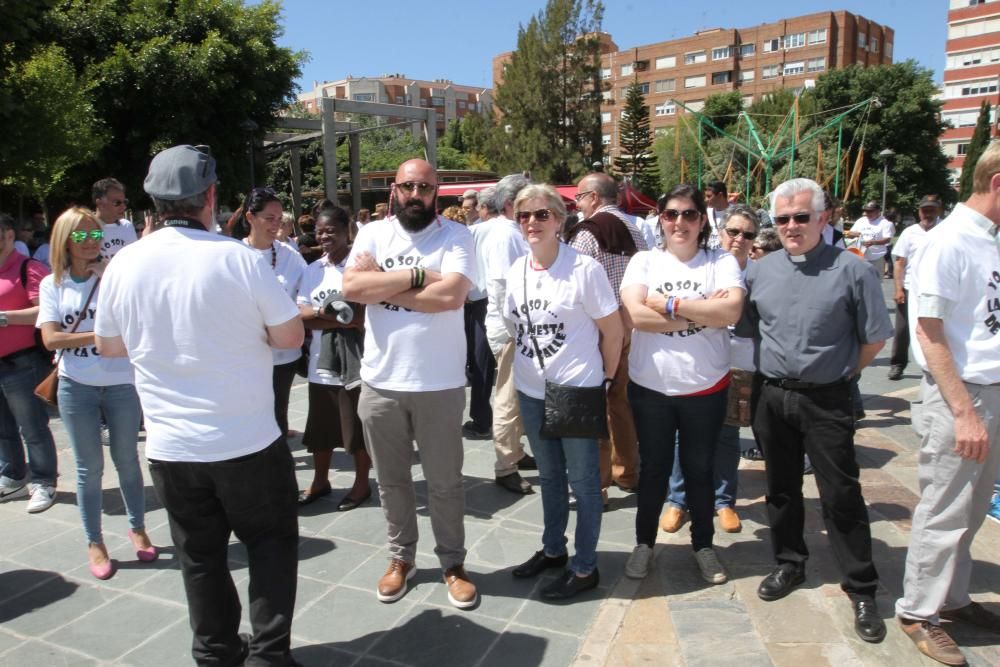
[980, 140]
[637, 161]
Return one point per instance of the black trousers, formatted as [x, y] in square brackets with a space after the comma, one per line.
[480, 367]
[254, 497]
[282, 379]
[818, 422]
[901, 341]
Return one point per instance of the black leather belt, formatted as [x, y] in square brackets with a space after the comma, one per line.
[791, 383]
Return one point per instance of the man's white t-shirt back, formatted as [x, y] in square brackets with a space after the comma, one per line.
[191, 307]
[407, 350]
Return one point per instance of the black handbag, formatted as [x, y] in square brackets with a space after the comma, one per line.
[570, 412]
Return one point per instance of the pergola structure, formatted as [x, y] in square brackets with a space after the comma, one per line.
[423, 121]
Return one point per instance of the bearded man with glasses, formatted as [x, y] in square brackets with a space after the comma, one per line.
[818, 318]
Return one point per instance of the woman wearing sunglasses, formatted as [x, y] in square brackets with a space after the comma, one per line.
[561, 305]
[261, 227]
[90, 385]
[680, 302]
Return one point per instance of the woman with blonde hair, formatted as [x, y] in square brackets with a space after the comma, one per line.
[91, 386]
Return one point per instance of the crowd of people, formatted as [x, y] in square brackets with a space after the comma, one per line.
[705, 317]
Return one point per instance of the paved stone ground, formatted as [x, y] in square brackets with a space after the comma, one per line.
[52, 612]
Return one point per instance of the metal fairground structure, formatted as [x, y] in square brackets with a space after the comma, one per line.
[783, 144]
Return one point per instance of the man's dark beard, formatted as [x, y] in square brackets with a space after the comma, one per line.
[414, 216]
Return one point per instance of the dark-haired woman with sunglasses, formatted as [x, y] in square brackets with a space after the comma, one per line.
[679, 302]
[262, 215]
[90, 385]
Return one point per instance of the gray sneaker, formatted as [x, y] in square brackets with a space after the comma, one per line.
[637, 566]
[42, 497]
[711, 569]
[12, 488]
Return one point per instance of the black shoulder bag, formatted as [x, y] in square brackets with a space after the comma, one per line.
[570, 412]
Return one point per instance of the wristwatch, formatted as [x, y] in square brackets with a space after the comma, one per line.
[3, 320]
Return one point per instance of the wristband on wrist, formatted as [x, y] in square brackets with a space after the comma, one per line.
[677, 307]
[421, 274]
[413, 278]
[668, 308]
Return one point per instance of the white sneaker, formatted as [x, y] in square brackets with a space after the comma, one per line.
[12, 488]
[637, 566]
[711, 569]
[42, 497]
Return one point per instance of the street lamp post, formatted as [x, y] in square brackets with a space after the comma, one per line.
[250, 127]
[886, 156]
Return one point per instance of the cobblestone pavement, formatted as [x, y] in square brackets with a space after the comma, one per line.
[52, 612]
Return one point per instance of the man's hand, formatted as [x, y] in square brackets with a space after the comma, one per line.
[900, 296]
[971, 440]
[364, 261]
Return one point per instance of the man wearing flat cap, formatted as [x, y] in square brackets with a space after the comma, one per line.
[197, 313]
[875, 233]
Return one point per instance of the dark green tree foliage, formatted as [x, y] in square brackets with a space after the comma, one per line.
[549, 99]
[637, 161]
[173, 72]
[722, 109]
[980, 140]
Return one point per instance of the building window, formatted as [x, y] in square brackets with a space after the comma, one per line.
[664, 62]
[665, 109]
[794, 41]
[606, 139]
[627, 69]
[769, 72]
[888, 50]
[605, 72]
[644, 88]
[400, 99]
[816, 64]
[873, 45]
[771, 44]
[608, 96]
[748, 100]
[697, 105]
[364, 97]
[666, 85]
[424, 101]
[721, 77]
[461, 104]
[746, 75]
[605, 116]
[437, 101]
[816, 36]
[963, 149]
[720, 53]
[794, 68]
[695, 57]
[980, 88]
[747, 50]
[694, 81]
[862, 40]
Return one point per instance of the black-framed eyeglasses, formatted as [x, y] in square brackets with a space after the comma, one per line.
[580, 195]
[422, 189]
[688, 215]
[733, 233]
[799, 218]
[119, 202]
[81, 236]
[541, 215]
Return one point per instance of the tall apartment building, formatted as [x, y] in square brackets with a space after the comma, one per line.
[451, 101]
[789, 53]
[971, 73]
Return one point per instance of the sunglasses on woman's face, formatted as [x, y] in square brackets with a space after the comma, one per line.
[80, 237]
[688, 215]
[541, 215]
[733, 233]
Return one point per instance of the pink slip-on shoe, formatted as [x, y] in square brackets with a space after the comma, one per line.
[145, 554]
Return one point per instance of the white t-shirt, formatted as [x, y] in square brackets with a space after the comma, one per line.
[321, 278]
[289, 266]
[563, 301]
[909, 242]
[504, 244]
[480, 233]
[677, 363]
[291, 243]
[117, 236]
[960, 262]
[874, 231]
[650, 228]
[62, 305]
[192, 307]
[406, 350]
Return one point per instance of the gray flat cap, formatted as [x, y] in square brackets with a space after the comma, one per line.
[178, 173]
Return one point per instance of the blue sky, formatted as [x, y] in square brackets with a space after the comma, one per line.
[457, 40]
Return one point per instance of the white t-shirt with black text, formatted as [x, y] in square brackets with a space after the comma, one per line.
[116, 236]
[62, 304]
[504, 244]
[563, 303]
[288, 266]
[407, 350]
[909, 242]
[878, 230]
[677, 363]
[321, 278]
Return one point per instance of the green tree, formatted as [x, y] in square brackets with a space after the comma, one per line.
[637, 161]
[549, 100]
[980, 140]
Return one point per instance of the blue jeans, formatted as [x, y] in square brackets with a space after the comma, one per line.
[660, 422]
[562, 460]
[81, 406]
[24, 415]
[725, 471]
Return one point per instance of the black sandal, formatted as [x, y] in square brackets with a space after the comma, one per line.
[752, 454]
[306, 498]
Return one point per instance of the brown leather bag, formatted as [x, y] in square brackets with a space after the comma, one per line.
[48, 389]
[738, 401]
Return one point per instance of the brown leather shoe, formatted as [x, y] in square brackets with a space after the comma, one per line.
[973, 614]
[672, 519]
[932, 641]
[393, 583]
[728, 520]
[461, 591]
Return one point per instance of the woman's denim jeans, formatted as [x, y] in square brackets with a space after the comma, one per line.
[726, 471]
[24, 415]
[562, 460]
[81, 407]
[694, 423]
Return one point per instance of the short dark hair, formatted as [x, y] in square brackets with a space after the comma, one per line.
[7, 222]
[688, 191]
[718, 187]
[102, 186]
[335, 214]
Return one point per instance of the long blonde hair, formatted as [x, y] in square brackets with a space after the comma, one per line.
[64, 225]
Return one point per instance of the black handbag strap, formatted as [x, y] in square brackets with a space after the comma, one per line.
[527, 314]
[83, 311]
